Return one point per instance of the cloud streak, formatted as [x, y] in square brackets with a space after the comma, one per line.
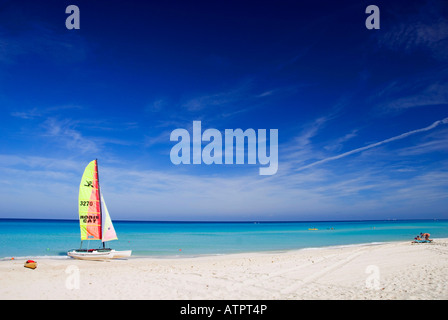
[426, 29]
[376, 144]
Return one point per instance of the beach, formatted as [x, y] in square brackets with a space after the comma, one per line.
[394, 270]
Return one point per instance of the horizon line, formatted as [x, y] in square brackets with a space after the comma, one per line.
[235, 221]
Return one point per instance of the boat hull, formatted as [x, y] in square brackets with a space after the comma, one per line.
[122, 254]
[98, 254]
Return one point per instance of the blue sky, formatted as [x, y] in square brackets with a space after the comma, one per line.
[361, 114]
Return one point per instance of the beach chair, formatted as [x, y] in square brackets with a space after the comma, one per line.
[422, 241]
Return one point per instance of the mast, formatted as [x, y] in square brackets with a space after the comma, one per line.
[99, 199]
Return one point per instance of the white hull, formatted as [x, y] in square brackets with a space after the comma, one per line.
[99, 255]
[122, 254]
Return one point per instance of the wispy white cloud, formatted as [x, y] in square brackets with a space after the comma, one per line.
[69, 135]
[39, 112]
[432, 95]
[221, 99]
[156, 106]
[63, 132]
[432, 143]
[160, 138]
[40, 41]
[373, 145]
[265, 94]
[238, 98]
[427, 29]
[338, 143]
[28, 114]
[300, 148]
[309, 131]
[179, 193]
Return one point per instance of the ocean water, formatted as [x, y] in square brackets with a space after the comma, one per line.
[53, 238]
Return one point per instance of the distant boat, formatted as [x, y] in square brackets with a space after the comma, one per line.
[313, 229]
[94, 219]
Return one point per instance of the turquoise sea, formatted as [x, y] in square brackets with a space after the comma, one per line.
[37, 238]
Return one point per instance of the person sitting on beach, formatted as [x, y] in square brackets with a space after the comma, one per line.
[422, 237]
[426, 236]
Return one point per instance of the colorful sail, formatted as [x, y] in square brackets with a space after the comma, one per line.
[108, 227]
[89, 204]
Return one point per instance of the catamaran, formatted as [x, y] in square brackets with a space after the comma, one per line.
[94, 219]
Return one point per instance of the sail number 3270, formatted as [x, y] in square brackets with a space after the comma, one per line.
[86, 203]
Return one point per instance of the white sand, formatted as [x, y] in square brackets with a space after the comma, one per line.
[398, 270]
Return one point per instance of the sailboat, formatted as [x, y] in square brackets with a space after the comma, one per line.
[94, 219]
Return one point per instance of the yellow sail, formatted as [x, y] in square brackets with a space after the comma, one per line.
[89, 204]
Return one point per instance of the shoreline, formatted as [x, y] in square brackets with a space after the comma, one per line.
[192, 256]
[391, 270]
